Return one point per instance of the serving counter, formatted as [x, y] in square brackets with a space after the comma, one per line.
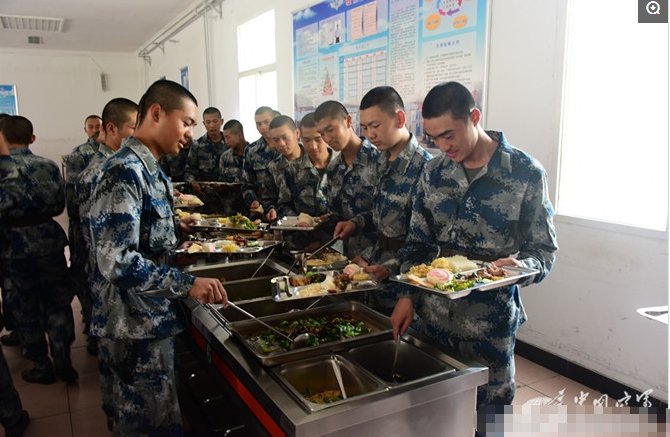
[436, 396]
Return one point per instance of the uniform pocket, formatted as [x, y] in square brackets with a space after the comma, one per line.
[162, 232]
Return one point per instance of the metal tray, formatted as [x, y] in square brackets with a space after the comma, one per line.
[282, 290]
[379, 325]
[515, 274]
[290, 223]
[213, 224]
[264, 244]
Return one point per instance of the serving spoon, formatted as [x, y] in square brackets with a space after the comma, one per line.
[300, 340]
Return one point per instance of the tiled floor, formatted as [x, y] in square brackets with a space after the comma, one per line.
[60, 410]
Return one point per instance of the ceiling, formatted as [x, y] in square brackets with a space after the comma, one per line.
[97, 25]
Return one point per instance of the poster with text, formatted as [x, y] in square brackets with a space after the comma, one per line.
[183, 75]
[8, 102]
[343, 48]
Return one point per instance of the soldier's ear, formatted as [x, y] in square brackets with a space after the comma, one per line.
[401, 118]
[155, 112]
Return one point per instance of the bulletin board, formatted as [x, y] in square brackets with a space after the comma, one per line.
[8, 102]
[343, 48]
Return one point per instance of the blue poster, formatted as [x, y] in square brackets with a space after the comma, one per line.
[344, 48]
[183, 74]
[8, 103]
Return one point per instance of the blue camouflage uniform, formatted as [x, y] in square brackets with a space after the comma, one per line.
[75, 163]
[350, 195]
[231, 169]
[175, 165]
[257, 181]
[394, 195]
[133, 228]
[504, 210]
[203, 159]
[33, 259]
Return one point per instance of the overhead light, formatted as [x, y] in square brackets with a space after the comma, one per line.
[40, 24]
[34, 40]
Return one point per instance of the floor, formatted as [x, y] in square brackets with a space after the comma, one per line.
[60, 410]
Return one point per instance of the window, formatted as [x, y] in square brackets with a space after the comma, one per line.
[614, 145]
[256, 57]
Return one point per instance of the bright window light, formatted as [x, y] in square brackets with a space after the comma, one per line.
[256, 42]
[257, 89]
[614, 147]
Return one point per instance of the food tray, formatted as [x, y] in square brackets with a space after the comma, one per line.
[282, 290]
[379, 326]
[264, 244]
[213, 224]
[290, 223]
[514, 275]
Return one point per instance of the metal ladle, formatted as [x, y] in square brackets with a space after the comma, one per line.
[395, 376]
[338, 375]
[300, 341]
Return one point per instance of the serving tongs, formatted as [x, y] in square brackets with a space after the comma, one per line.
[311, 255]
[300, 340]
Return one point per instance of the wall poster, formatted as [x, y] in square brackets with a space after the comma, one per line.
[343, 48]
[8, 102]
[183, 75]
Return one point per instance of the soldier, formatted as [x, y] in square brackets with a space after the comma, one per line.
[119, 117]
[34, 261]
[175, 165]
[400, 163]
[75, 163]
[134, 300]
[257, 182]
[202, 163]
[231, 166]
[352, 181]
[488, 201]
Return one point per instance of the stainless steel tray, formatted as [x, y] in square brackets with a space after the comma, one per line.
[378, 324]
[290, 223]
[282, 290]
[514, 275]
[264, 244]
[213, 224]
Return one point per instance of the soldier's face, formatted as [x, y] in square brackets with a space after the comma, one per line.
[175, 128]
[212, 123]
[456, 138]
[285, 140]
[313, 142]
[381, 128]
[335, 132]
[92, 127]
[263, 123]
[233, 139]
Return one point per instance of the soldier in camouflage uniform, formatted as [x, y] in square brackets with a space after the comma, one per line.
[351, 183]
[488, 201]
[32, 255]
[402, 159]
[231, 166]
[134, 300]
[305, 180]
[119, 117]
[175, 165]
[257, 181]
[75, 163]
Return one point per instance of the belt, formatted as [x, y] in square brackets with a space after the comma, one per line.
[448, 251]
[386, 243]
[24, 221]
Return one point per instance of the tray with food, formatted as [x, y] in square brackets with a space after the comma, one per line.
[237, 222]
[457, 276]
[186, 201]
[226, 246]
[327, 259]
[302, 222]
[331, 328]
[351, 279]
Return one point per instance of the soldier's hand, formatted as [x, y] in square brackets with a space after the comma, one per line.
[344, 229]
[402, 316]
[380, 272]
[271, 215]
[208, 290]
[359, 260]
[507, 262]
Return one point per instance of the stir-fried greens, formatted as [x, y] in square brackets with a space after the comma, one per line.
[242, 221]
[324, 397]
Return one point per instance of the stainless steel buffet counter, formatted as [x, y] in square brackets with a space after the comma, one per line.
[436, 397]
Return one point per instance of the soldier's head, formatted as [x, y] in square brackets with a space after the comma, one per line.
[383, 118]
[119, 118]
[92, 126]
[311, 138]
[167, 115]
[334, 123]
[211, 118]
[284, 136]
[263, 117]
[233, 134]
[16, 131]
[451, 120]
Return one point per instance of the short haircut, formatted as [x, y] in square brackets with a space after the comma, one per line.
[276, 113]
[330, 109]
[168, 94]
[264, 110]
[386, 97]
[92, 116]
[118, 111]
[308, 120]
[282, 120]
[211, 110]
[17, 129]
[234, 126]
[448, 98]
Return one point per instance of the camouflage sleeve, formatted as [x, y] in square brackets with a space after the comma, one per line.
[191, 167]
[10, 193]
[285, 204]
[248, 178]
[115, 225]
[274, 181]
[538, 243]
